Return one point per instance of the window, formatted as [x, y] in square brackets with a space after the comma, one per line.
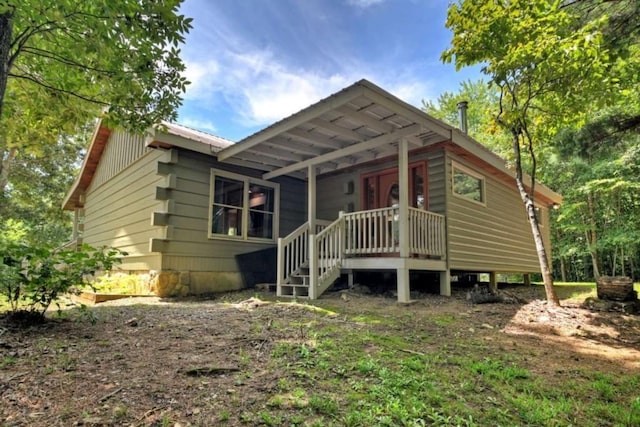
[242, 207]
[468, 184]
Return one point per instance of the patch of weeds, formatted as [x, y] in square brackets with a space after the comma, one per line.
[244, 358]
[86, 314]
[270, 419]
[444, 320]
[282, 350]
[496, 369]
[8, 361]
[120, 413]
[536, 410]
[323, 405]
[224, 416]
[603, 385]
[633, 413]
[67, 363]
[296, 399]
[366, 365]
[247, 418]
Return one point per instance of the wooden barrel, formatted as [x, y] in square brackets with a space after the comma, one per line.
[616, 288]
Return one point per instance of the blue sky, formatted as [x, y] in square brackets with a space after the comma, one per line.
[253, 62]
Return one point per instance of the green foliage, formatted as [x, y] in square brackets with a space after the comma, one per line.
[483, 102]
[121, 54]
[32, 277]
[64, 63]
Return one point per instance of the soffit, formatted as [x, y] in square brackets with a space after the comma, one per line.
[359, 124]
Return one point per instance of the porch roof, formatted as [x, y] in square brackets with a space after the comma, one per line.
[359, 124]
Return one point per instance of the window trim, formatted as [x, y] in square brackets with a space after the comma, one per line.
[455, 166]
[247, 181]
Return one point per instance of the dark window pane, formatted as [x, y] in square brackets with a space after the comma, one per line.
[260, 224]
[228, 192]
[227, 221]
[467, 186]
[418, 188]
[261, 198]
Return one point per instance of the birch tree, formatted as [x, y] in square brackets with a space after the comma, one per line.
[543, 64]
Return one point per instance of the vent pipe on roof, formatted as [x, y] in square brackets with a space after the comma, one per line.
[462, 113]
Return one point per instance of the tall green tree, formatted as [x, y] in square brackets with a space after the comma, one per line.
[64, 61]
[483, 101]
[545, 67]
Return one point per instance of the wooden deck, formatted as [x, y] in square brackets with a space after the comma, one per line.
[309, 263]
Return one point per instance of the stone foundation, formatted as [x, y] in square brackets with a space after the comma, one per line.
[183, 283]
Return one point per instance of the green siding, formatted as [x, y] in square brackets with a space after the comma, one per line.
[117, 211]
[187, 246]
[491, 237]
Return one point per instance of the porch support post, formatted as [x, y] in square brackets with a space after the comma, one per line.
[404, 291]
[493, 281]
[445, 283]
[404, 294]
[526, 278]
[311, 198]
[311, 220]
[403, 182]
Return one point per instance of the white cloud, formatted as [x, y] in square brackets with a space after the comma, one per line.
[262, 90]
[202, 76]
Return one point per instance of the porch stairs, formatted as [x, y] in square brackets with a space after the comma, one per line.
[309, 263]
[302, 253]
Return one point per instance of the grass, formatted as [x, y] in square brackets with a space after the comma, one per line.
[378, 368]
[371, 376]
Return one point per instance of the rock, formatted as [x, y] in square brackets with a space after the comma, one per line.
[133, 322]
[483, 295]
[486, 326]
[344, 297]
[627, 307]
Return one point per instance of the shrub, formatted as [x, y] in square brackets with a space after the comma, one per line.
[31, 278]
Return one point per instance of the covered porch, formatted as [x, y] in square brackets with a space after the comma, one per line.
[359, 126]
[309, 263]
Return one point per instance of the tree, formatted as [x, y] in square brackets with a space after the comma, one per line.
[483, 99]
[545, 66]
[64, 61]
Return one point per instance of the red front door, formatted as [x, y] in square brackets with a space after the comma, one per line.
[381, 189]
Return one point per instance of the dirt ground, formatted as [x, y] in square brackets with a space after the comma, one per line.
[148, 361]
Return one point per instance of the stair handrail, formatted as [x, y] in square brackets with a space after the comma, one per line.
[327, 254]
[293, 252]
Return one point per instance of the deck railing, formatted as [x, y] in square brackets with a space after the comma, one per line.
[426, 233]
[372, 232]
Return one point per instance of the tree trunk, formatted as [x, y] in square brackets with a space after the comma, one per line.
[614, 261]
[563, 269]
[547, 277]
[6, 32]
[5, 167]
[592, 239]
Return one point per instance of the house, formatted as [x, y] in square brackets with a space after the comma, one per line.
[358, 181]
